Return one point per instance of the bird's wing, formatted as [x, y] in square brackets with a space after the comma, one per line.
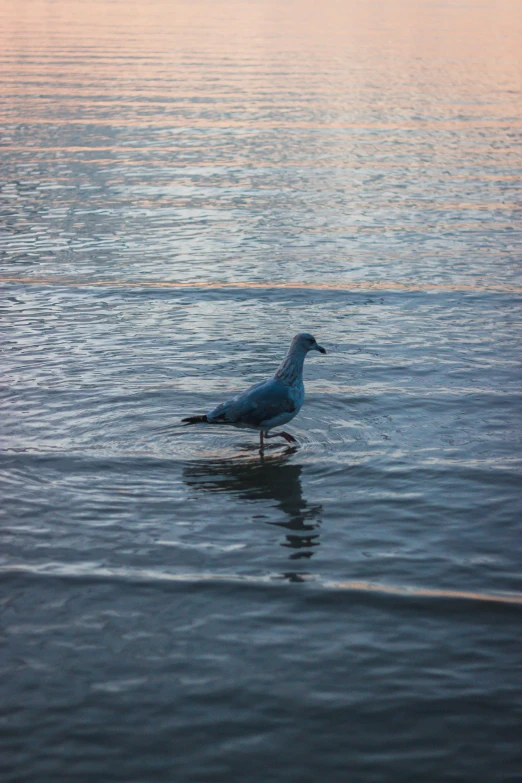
[260, 403]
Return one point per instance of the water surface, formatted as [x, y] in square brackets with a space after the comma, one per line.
[184, 187]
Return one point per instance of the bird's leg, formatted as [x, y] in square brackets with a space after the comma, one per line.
[261, 441]
[289, 438]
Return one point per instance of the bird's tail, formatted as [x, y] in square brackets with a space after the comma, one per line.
[195, 419]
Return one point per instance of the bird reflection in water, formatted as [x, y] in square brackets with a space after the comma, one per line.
[270, 479]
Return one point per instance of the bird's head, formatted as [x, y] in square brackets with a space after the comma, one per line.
[307, 342]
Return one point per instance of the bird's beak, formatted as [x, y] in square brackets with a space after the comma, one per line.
[320, 348]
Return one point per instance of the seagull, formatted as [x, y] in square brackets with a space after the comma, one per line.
[270, 403]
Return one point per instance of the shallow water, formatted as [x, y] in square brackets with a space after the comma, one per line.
[185, 186]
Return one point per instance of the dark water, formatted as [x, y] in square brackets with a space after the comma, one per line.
[184, 187]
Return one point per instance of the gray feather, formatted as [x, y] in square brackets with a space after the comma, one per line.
[254, 406]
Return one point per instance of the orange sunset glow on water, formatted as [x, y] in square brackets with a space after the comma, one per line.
[325, 62]
[394, 90]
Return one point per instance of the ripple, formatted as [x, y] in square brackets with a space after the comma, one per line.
[355, 285]
[87, 572]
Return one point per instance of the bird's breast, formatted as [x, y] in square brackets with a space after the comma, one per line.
[297, 395]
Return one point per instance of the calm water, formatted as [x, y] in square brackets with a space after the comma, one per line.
[185, 185]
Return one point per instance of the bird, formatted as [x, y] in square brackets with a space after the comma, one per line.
[271, 403]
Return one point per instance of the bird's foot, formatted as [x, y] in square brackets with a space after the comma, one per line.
[289, 438]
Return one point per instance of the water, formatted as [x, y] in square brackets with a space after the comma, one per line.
[185, 186]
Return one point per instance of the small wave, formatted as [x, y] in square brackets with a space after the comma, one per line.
[91, 572]
[355, 285]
